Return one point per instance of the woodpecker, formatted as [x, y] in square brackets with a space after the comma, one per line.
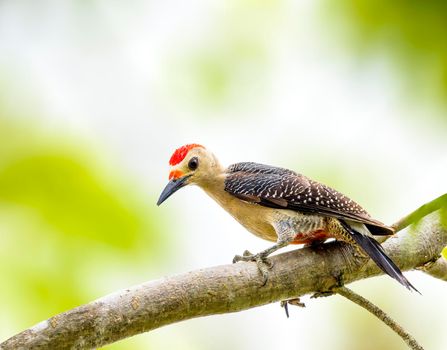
[281, 206]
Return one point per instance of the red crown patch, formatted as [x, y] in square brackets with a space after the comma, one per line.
[180, 153]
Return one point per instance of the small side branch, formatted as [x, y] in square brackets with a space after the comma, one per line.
[422, 211]
[381, 315]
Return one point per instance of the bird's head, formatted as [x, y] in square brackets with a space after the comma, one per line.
[191, 164]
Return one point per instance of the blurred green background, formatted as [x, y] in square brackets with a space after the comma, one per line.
[95, 95]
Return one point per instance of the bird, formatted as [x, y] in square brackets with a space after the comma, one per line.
[281, 206]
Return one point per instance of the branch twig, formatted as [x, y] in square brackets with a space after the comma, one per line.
[223, 289]
[380, 314]
[422, 211]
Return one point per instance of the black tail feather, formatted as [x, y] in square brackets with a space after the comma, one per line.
[377, 254]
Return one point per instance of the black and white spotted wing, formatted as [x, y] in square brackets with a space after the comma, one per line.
[285, 189]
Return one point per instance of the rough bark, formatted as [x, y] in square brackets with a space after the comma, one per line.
[229, 288]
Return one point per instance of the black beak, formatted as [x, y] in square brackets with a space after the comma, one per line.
[171, 187]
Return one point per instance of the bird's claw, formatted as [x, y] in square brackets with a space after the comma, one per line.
[359, 254]
[247, 253]
[294, 301]
[246, 256]
[264, 264]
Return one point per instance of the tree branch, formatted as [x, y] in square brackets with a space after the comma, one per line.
[436, 268]
[380, 314]
[224, 289]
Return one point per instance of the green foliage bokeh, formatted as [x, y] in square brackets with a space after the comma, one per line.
[65, 225]
[411, 33]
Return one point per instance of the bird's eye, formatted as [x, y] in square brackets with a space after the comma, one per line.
[193, 163]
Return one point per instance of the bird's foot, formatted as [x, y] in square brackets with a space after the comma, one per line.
[247, 256]
[294, 301]
[263, 263]
[359, 253]
[339, 282]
